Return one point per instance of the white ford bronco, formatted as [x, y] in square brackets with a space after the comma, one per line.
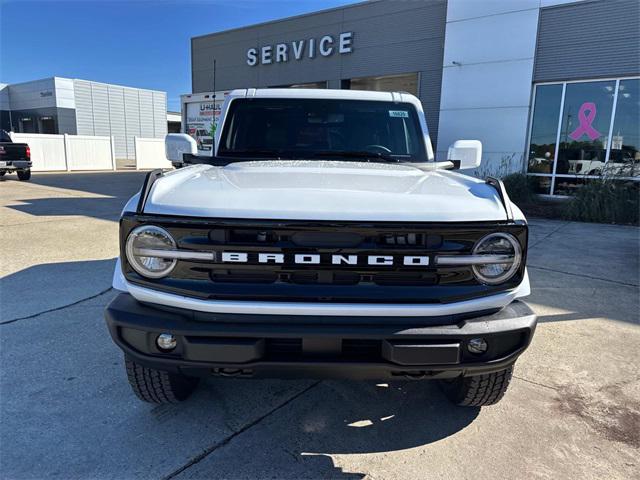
[321, 239]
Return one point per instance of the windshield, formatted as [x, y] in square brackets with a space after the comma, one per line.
[322, 129]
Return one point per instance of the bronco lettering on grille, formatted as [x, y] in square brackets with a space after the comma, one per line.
[318, 259]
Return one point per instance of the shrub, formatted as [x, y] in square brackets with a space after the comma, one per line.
[605, 201]
[518, 186]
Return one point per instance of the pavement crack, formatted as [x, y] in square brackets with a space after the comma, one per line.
[555, 389]
[548, 235]
[7, 322]
[583, 276]
[209, 450]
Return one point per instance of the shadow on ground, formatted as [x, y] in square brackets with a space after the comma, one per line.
[113, 184]
[99, 195]
[331, 418]
[96, 207]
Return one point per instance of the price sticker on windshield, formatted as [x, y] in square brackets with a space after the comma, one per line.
[398, 114]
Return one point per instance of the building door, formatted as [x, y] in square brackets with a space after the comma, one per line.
[27, 125]
[47, 125]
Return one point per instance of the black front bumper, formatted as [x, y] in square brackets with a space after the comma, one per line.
[270, 346]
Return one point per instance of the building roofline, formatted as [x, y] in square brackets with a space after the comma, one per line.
[30, 81]
[84, 80]
[286, 19]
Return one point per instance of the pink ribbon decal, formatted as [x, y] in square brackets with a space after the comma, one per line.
[586, 119]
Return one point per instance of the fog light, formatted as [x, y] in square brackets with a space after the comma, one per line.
[166, 342]
[477, 345]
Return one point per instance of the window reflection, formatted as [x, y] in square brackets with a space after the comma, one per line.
[624, 159]
[544, 128]
[585, 125]
[407, 82]
[541, 185]
[569, 185]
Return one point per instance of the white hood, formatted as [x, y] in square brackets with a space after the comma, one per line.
[324, 190]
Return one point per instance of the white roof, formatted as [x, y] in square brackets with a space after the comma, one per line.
[324, 93]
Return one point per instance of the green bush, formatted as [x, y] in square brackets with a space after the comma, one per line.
[518, 186]
[605, 201]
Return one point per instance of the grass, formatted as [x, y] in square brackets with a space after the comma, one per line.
[607, 200]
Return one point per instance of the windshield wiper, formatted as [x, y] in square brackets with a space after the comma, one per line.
[273, 153]
[345, 155]
[365, 155]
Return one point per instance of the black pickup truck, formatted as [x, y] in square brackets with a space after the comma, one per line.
[14, 157]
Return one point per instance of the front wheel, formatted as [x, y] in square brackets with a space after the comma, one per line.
[157, 386]
[24, 175]
[479, 390]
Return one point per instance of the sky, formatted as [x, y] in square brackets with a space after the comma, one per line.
[138, 43]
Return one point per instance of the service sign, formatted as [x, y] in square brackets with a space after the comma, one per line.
[310, 48]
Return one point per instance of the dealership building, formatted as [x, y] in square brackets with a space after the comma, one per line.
[550, 87]
[80, 107]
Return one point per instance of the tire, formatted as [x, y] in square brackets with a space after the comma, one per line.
[24, 175]
[478, 391]
[157, 386]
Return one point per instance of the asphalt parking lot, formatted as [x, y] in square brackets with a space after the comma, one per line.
[66, 410]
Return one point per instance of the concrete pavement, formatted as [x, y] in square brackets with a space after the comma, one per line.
[66, 411]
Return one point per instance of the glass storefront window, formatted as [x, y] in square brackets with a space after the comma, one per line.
[389, 83]
[594, 140]
[624, 158]
[544, 128]
[586, 118]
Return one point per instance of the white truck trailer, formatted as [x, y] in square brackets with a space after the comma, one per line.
[200, 113]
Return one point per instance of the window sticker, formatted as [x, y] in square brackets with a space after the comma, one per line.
[586, 119]
[398, 113]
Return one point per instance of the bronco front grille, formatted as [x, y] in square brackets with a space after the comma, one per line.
[266, 258]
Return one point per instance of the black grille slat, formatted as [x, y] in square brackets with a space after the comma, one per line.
[405, 279]
[325, 278]
[244, 276]
[261, 237]
[304, 278]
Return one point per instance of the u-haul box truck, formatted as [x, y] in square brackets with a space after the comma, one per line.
[200, 114]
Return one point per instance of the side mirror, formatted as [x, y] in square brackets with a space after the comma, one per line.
[177, 145]
[467, 152]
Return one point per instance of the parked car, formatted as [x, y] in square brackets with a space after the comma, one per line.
[14, 157]
[322, 240]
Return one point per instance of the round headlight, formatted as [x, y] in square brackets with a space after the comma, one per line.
[503, 254]
[142, 251]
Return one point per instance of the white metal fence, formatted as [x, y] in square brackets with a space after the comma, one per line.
[50, 153]
[150, 153]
